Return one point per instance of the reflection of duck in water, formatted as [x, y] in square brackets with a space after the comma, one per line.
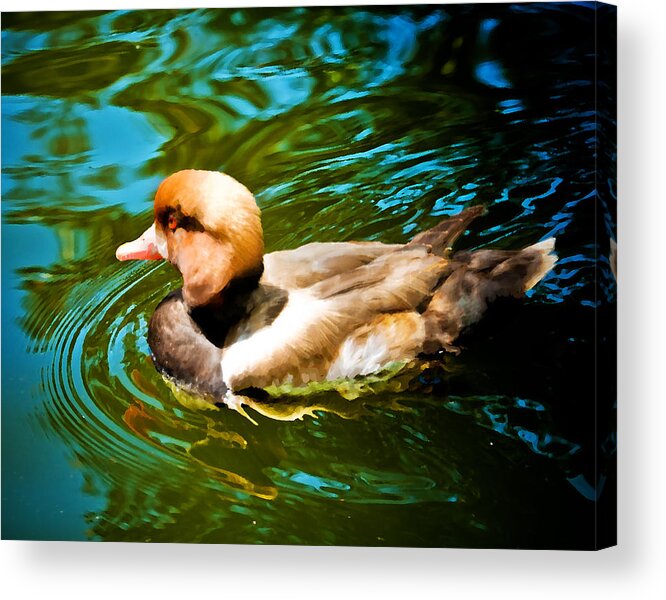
[324, 312]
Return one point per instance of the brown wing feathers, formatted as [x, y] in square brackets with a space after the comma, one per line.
[443, 235]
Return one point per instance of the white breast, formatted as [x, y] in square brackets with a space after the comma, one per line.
[278, 351]
[309, 341]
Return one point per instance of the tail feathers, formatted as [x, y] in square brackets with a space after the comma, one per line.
[476, 279]
[443, 235]
[509, 272]
[543, 261]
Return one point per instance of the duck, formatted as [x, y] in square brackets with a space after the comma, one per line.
[245, 321]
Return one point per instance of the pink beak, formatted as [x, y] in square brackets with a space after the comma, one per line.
[145, 247]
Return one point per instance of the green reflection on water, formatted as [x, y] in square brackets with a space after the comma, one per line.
[347, 124]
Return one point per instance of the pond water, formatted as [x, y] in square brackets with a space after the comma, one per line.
[347, 124]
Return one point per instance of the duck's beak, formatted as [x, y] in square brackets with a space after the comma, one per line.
[145, 247]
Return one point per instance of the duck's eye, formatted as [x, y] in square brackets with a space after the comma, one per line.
[172, 224]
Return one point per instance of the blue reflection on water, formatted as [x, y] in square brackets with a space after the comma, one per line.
[318, 483]
[490, 73]
[511, 105]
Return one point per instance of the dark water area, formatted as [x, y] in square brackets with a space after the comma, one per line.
[364, 123]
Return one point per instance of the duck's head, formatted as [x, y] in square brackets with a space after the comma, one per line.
[208, 226]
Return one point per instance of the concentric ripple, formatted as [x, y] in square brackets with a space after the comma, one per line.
[89, 340]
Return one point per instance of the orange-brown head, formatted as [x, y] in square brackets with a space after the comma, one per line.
[209, 226]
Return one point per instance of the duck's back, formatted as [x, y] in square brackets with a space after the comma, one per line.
[317, 261]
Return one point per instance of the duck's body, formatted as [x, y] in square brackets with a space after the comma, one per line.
[321, 312]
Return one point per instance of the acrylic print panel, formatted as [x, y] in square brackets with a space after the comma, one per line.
[454, 388]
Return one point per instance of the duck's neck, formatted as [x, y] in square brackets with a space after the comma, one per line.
[226, 308]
